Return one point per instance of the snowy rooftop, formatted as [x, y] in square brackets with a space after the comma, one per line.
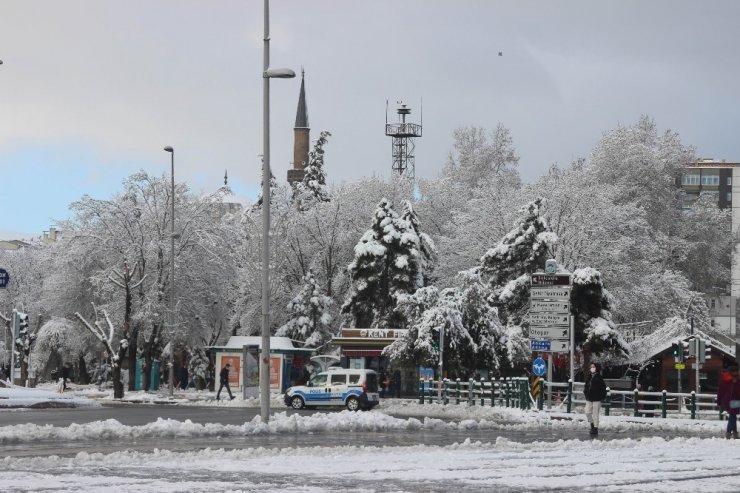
[276, 343]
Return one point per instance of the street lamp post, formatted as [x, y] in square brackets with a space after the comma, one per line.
[267, 74]
[172, 272]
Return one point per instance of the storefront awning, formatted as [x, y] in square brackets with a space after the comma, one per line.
[354, 353]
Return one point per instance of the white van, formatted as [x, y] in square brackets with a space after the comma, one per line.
[356, 389]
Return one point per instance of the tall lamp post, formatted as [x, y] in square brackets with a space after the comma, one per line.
[267, 74]
[172, 272]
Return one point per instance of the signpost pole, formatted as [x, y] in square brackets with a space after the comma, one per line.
[572, 346]
[13, 332]
[697, 364]
[245, 352]
[441, 360]
[549, 380]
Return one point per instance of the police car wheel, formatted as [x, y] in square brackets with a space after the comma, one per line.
[296, 402]
[353, 404]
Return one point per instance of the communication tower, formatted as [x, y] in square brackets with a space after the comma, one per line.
[403, 134]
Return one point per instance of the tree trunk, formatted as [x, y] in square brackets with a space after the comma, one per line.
[83, 378]
[132, 353]
[117, 383]
[24, 369]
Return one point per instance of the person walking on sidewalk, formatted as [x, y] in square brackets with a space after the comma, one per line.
[224, 382]
[595, 392]
[728, 398]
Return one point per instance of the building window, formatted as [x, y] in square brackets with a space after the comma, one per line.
[710, 180]
[729, 180]
[729, 196]
[714, 304]
[690, 179]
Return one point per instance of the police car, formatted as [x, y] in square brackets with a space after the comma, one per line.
[355, 389]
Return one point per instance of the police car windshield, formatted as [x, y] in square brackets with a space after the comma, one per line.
[318, 380]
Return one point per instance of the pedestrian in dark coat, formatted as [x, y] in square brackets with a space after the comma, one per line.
[183, 377]
[397, 383]
[66, 374]
[728, 398]
[383, 377]
[595, 392]
[224, 377]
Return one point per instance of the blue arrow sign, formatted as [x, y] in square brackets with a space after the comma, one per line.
[4, 278]
[539, 367]
[539, 345]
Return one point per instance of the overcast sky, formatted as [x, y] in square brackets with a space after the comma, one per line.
[90, 91]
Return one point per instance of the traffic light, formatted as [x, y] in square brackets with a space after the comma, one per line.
[677, 352]
[689, 350]
[435, 339]
[22, 323]
[703, 350]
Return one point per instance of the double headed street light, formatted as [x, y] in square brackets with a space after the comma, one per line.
[172, 273]
[267, 74]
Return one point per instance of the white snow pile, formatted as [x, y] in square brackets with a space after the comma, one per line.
[447, 418]
[20, 397]
[642, 465]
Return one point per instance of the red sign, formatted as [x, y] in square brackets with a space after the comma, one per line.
[234, 370]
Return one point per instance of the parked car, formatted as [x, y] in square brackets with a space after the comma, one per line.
[355, 389]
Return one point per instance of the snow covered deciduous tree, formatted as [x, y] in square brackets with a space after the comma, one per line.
[58, 341]
[24, 343]
[480, 156]
[436, 311]
[274, 190]
[473, 335]
[107, 338]
[310, 321]
[386, 265]
[313, 186]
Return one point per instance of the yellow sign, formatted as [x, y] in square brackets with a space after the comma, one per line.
[680, 366]
[535, 387]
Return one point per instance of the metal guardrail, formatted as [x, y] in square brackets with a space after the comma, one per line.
[504, 392]
[516, 392]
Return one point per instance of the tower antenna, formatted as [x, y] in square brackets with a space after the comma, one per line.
[404, 147]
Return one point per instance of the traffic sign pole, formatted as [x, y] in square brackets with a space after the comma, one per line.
[549, 382]
[572, 347]
[13, 332]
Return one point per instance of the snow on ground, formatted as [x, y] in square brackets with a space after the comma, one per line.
[282, 423]
[650, 464]
[644, 465]
[20, 397]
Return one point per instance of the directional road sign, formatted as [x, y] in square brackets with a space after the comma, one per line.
[550, 280]
[4, 278]
[550, 306]
[549, 319]
[549, 346]
[554, 294]
[537, 345]
[539, 367]
[552, 333]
